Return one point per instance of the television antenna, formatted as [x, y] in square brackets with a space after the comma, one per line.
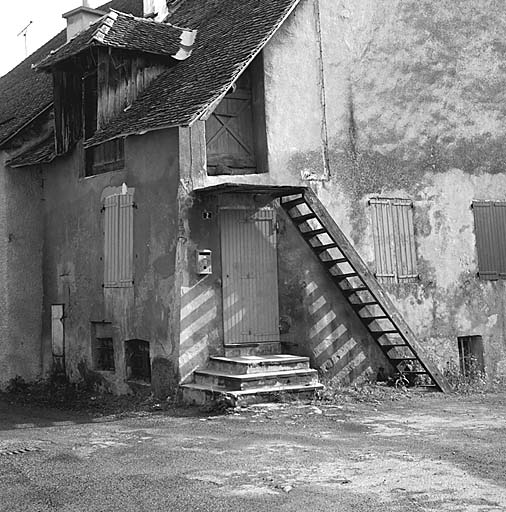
[23, 33]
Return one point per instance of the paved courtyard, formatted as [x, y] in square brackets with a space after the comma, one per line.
[424, 453]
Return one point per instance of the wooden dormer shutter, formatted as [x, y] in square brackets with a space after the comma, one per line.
[68, 97]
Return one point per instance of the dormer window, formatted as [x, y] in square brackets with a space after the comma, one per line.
[108, 156]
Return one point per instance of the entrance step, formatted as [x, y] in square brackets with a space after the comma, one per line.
[224, 381]
[252, 379]
[197, 394]
[252, 349]
[256, 364]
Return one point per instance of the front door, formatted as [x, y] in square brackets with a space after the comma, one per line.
[250, 276]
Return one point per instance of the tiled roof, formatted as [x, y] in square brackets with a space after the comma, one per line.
[43, 152]
[120, 30]
[24, 93]
[230, 34]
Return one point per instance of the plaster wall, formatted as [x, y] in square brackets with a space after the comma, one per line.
[73, 260]
[21, 242]
[398, 99]
[412, 107]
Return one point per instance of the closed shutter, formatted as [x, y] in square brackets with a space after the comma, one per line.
[229, 130]
[118, 241]
[490, 231]
[394, 239]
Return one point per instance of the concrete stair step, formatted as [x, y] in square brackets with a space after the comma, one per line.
[257, 364]
[252, 349]
[228, 382]
[198, 394]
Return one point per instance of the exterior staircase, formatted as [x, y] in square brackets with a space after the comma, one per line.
[361, 289]
[242, 377]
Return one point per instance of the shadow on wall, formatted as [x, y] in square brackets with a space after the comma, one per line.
[198, 325]
[333, 348]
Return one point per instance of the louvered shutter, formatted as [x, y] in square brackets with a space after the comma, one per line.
[490, 231]
[118, 241]
[394, 240]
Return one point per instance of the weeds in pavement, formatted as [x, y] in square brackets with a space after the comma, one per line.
[57, 392]
[470, 380]
[365, 390]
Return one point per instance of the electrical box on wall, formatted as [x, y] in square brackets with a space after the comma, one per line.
[204, 262]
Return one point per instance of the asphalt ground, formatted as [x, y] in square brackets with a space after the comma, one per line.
[420, 453]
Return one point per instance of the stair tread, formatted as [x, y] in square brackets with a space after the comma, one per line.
[268, 359]
[299, 219]
[254, 391]
[287, 205]
[313, 232]
[325, 247]
[350, 291]
[256, 376]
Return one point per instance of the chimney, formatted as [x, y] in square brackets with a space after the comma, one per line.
[156, 9]
[80, 19]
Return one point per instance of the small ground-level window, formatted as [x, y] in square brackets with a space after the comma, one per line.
[103, 346]
[105, 354]
[471, 355]
[138, 362]
[490, 231]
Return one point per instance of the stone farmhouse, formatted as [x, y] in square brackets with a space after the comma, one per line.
[229, 195]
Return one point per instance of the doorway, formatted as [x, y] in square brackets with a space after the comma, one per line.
[250, 276]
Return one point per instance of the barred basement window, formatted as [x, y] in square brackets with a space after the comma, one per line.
[118, 240]
[102, 346]
[471, 355]
[490, 231]
[104, 353]
[394, 240]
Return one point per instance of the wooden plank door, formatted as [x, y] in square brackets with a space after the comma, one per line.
[229, 131]
[250, 276]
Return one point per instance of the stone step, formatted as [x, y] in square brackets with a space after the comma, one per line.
[197, 394]
[252, 349]
[257, 364]
[227, 382]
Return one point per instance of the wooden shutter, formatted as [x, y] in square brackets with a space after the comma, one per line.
[118, 241]
[229, 130]
[490, 231]
[68, 96]
[394, 240]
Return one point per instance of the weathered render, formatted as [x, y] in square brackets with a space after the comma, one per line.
[372, 105]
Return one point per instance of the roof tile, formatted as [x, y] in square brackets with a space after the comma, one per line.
[120, 30]
[24, 93]
[230, 33]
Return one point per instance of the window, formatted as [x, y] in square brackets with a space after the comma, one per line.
[394, 240]
[235, 132]
[118, 240]
[102, 346]
[109, 156]
[138, 363]
[490, 231]
[471, 355]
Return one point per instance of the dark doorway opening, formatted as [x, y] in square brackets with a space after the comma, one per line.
[138, 362]
[471, 355]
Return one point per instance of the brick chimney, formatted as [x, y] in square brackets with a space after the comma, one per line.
[79, 19]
